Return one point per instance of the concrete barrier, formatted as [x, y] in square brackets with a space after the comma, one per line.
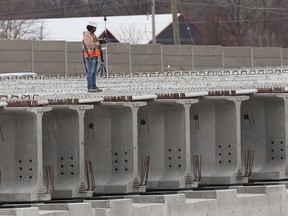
[15, 56]
[75, 64]
[119, 58]
[266, 56]
[234, 57]
[284, 57]
[66, 58]
[177, 57]
[207, 57]
[49, 57]
[146, 58]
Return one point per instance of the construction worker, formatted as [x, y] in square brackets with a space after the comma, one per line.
[91, 52]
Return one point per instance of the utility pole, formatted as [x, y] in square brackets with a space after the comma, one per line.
[153, 23]
[176, 33]
[41, 32]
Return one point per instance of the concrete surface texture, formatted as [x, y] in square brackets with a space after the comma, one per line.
[173, 143]
[238, 201]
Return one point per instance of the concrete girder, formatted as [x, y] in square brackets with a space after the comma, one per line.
[63, 147]
[264, 128]
[164, 135]
[216, 135]
[111, 146]
[22, 175]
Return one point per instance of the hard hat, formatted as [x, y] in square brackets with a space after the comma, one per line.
[92, 23]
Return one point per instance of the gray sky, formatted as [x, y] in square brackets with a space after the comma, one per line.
[71, 29]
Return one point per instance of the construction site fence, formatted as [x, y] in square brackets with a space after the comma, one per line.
[65, 58]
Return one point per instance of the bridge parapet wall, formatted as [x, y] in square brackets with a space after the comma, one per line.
[65, 58]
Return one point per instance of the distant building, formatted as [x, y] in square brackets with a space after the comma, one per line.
[110, 36]
[71, 29]
[189, 33]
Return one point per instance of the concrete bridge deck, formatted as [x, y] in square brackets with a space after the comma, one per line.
[179, 130]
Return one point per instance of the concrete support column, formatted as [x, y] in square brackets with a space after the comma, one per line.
[21, 169]
[239, 172]
[136, 176]
[190, 180]
[111, 147]
[64, 150]
[82, 186]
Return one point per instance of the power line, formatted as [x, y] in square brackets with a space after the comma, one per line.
[188, 28]
[220, 4]
[250, 8]
[237, 21]
[55, 8]
[234, 21]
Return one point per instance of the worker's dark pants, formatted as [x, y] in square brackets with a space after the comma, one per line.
[91, 65]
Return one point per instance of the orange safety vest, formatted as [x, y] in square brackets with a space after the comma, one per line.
[89, 52]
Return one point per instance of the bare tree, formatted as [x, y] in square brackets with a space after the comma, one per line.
[224, 22]
[20, 29]
[17, 28]
[231, 22]
[270, 29]
[247, 22]
[130, 34]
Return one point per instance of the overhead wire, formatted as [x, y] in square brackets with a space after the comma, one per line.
[221, 3]
[250, 8]
[187, 26]
[242, 20]
[55, 8]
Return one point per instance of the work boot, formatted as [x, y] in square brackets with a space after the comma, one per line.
[98, 89]
[95, 90]
[92, 90]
